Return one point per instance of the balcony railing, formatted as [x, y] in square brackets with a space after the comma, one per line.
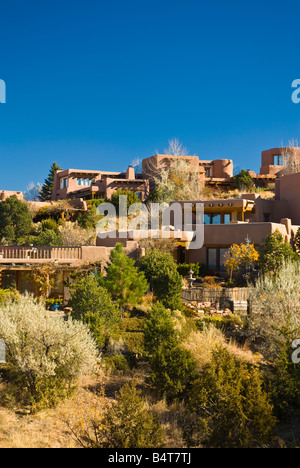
[39, 254]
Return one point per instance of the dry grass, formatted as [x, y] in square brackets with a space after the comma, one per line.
[202, 344]
[46, 429]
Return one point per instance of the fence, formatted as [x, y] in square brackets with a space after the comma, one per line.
[213, 295]
[40, 253]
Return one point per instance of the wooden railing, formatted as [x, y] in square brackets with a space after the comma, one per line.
[40, 253]
[215, 294]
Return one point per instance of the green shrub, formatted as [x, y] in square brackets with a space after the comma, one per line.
[161, 272]
[173, 371]
[93, 304]
[15, 219]
[116, 363]
[123, 280]
[198, 269]
[228, 406]
[7, 295]
[127, 423]
[49, 238]
[158, 328]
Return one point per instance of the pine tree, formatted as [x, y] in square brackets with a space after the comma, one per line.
[47, 187]
[93, 305]
[123, 280]
[161, 272]
[228, 406]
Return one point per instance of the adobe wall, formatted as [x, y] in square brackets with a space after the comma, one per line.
[5, 194]
[288, 190]
[236, 233]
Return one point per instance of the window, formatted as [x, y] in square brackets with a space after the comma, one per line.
[216, 258]
[278, 160]
[222, 259]
[208, 171]
[227, 218]
[64, 183]
[84, 182]
[212, 259]
[212, 218]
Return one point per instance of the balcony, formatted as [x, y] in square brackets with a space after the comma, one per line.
[20, 255]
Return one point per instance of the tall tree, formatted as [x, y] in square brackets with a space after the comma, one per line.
[47, 187]
[15, 219]
[123, 280]
[161, 273]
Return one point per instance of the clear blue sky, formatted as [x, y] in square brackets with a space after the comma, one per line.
[96, 84]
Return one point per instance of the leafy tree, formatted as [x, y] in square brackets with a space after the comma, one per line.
[46, 355]
[274, 324]
[228, 406]
[132, 198]
[178, 181]
[46, 190]
[274, 252]
[89, 219]
[50, 224]
[49, 238]
[92, 304]
[123, 280]
[275, 310]
[158, 328]
[161, 272]
[240, 260]
[243, 180]
[15, 219]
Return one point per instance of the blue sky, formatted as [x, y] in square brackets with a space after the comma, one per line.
[98, 84]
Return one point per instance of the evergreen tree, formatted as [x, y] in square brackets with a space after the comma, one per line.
[15, 219]
[127, 423]
[173, 371]
[243, 180]
[158, 328]
[228, 405]
[47, 187]
[93, 305]
[123, 280]
[161, 272]
[274, 252]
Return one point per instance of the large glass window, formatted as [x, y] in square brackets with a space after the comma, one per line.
[212, 259]
[212, 218]
[216, 258]
[222, 259]
[226, 218]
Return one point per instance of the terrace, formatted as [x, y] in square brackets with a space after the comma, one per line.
[40, 254]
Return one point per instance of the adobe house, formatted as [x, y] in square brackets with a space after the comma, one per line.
[17, 265]
[5, 194]
[87, 184]
[273, 162]
[217, 172]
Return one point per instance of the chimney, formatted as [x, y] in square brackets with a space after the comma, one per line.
[130, 173]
